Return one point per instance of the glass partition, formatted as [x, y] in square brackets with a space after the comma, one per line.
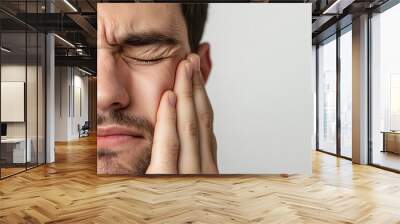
[13, 95]
[22, 88]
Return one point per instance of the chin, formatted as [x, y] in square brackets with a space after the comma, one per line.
[126, 162]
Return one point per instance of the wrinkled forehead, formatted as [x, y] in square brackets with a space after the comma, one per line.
[116, 20]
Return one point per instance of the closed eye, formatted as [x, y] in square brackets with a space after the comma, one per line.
[142, 61]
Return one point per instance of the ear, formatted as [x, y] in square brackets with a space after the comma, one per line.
[205, 60]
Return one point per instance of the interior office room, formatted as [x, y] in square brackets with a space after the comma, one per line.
[49, 118]
[22, 99]
[44, 84]
[336, 81]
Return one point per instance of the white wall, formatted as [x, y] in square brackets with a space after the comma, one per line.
[14, 73]
[314, 84]
[81, 84]
[12, 101]
[61, 103]
[18, 73]
[68, 82]
[261, 86]
[33, 126]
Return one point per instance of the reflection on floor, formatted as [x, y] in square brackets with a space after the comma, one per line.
[346, 152]
[13, 169]
[69, 191]
[10, 171]
[387, 159]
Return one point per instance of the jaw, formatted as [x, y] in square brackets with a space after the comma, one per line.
[132, 160]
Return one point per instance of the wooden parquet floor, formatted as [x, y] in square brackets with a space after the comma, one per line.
[69, 191]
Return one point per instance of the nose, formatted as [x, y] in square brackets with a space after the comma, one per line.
[112, 93]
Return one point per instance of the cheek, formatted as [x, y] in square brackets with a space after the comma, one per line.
[152, 82]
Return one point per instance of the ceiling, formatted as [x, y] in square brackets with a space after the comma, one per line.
[329, 16]
[75, 21]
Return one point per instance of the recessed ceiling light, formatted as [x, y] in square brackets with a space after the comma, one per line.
[84, 71]
[70, 5]
[337, 7]
[64, 40]
[5, 49]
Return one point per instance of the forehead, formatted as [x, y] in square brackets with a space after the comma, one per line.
[118, 19]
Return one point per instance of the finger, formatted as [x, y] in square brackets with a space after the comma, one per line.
[189, 158]
[204, 119]
[164, 154]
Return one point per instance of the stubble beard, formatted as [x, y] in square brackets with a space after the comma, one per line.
[133, 160]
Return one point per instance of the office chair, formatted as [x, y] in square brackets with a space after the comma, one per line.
[84, 130]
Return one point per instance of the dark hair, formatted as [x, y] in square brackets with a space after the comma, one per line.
[195, 17]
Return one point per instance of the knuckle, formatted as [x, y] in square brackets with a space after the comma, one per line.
[173, 145]
[206, 118]
[172, 115]
[197, 85]
[186, 93]
[192, 128]
[167, 117]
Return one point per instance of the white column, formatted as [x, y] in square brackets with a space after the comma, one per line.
[50, 93]
[360, 90]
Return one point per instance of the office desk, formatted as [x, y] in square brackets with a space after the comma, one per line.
[391, 142]
[13, 150]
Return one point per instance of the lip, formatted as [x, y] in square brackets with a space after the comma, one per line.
[112, 136]
[117, 130]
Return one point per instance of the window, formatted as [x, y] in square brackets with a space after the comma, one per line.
[346, 93]
[385, 88]
[327, 96]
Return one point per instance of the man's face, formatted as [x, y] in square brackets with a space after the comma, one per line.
[139, 48]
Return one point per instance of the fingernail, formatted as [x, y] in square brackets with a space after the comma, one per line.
[172, 98]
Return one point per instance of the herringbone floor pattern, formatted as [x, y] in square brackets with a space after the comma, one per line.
[69, 191]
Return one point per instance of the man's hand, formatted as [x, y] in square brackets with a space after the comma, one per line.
[184, 142]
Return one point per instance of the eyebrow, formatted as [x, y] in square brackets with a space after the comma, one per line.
[143, 39]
